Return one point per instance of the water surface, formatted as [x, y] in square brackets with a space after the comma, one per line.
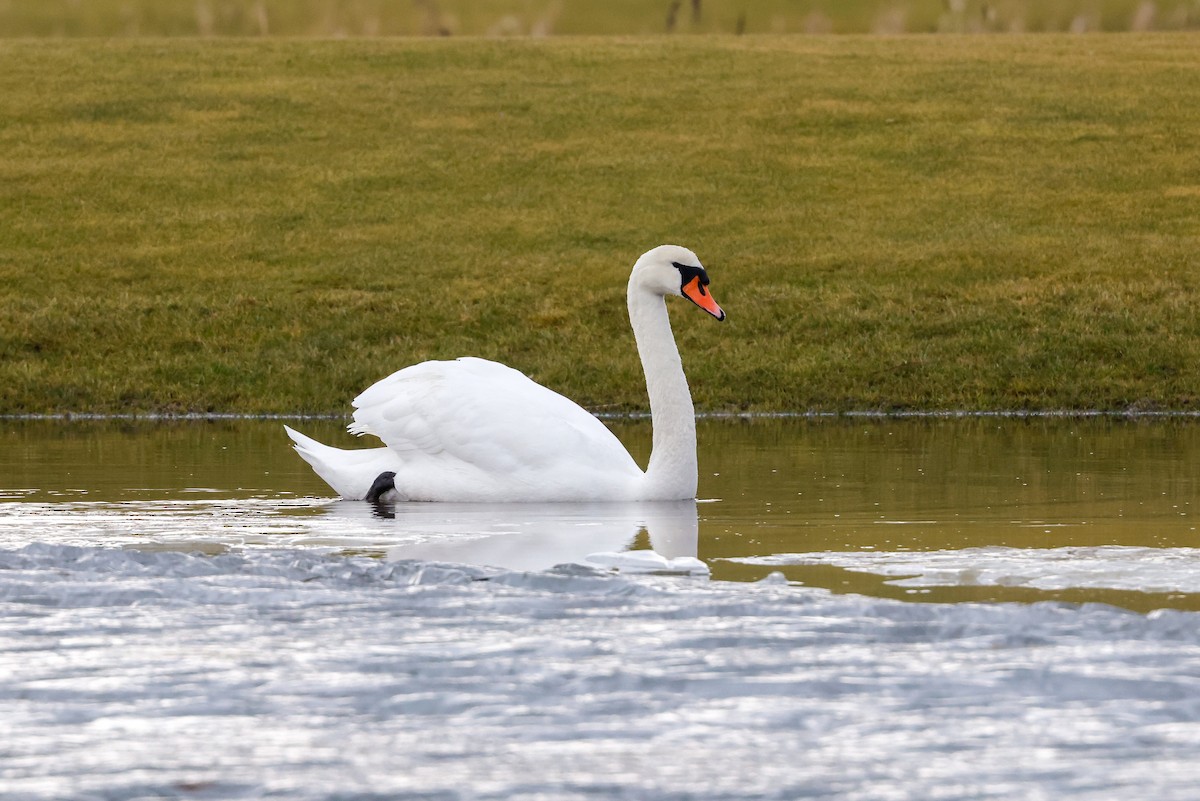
[1090, 509]
[186, 613]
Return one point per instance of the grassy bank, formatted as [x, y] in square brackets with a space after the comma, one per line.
[931, 223]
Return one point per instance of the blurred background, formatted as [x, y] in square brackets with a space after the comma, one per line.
[369, 18]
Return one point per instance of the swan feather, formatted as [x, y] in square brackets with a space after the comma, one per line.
[478, 431]
[494, 430]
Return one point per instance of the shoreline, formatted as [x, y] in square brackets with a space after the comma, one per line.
[955, 414]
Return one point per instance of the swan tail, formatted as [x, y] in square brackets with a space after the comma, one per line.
[350, 474]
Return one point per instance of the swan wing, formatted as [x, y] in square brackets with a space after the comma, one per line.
[474, 417]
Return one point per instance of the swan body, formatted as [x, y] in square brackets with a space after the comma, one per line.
[473, 430]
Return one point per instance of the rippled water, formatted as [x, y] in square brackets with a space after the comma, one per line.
[948, 510]
[185, 612]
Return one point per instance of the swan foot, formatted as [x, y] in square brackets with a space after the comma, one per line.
[383, 490]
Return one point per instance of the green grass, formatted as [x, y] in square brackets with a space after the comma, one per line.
[891, 223]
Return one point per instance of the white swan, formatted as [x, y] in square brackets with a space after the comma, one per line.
[474, 430]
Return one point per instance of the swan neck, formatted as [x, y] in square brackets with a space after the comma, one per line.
[671, 473]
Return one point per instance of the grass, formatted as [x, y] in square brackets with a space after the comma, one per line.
[986, 223]
[337, 18]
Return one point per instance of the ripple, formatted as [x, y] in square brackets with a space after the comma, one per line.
[1101, 567]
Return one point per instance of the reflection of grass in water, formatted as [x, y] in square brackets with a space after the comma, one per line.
[326, 18]
[930, 222]
[845, 486]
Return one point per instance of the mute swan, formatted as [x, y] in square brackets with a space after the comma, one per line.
[474, 430]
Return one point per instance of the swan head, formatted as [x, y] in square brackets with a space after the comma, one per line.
[675, 270]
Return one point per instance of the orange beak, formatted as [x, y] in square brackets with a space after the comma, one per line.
[697, 293]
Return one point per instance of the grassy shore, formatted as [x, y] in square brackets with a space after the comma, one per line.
[891, 223]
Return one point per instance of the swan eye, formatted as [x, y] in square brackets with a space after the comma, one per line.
[689, 271]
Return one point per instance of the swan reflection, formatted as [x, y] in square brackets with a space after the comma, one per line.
[532, 536]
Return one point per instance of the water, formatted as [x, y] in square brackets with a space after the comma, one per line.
[944, 510]
[186, 613]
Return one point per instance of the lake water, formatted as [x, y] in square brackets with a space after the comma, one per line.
[854, 609]
[1086, 509]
